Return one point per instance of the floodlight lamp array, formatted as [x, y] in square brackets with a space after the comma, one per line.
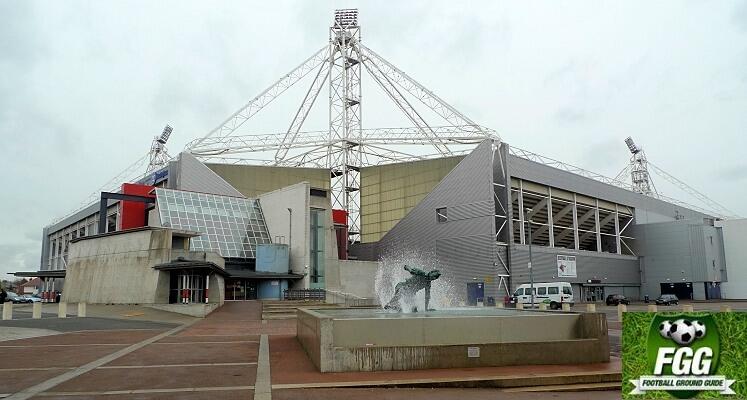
[631, 145]
[345, 18]
[165, 135]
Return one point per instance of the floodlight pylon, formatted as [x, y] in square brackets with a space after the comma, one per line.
[345, 147]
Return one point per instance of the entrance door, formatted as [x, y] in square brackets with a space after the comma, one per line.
[593, 293]
[683, 290]
[241, 289]
[475, 292]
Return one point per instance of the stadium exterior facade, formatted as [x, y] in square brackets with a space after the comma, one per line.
[472, 214]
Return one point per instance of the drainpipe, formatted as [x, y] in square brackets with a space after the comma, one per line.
[290, 231]
[207, 286]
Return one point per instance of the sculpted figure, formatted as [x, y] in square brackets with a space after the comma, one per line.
[406, 290]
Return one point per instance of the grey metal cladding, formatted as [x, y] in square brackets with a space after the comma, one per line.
[469, 260]
[540, 173]
[194, 176]
[608, 268]
[45, 250]
[466, 242]
[470, 210]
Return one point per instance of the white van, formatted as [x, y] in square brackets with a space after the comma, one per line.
[551, 293]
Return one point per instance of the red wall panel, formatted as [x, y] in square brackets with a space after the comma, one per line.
[132, 212]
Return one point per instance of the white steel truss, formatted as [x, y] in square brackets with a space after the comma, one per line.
[345, 147]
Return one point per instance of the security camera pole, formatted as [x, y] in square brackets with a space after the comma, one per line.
[531, 275]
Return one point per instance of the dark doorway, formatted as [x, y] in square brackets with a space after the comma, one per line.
[241, 289]
[683, 290]
[475, 293]
[712, 290]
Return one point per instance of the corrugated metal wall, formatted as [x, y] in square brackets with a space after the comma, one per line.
[609, 269]
[253, 180]
[192, 175]
[465, 245]
[647, 209]
[389, 192]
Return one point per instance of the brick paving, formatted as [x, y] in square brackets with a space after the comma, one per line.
[217, 357]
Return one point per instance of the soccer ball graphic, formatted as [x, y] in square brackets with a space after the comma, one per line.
[682, 332]
[700, 329]
[664, 328]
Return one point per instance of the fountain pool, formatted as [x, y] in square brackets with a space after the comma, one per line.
[377, 340]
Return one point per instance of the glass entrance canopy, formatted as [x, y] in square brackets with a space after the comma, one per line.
[230, 226]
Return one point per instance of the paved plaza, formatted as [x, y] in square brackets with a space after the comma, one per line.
[233, 353]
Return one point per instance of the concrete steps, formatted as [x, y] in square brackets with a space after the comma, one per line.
[280, 310]
[579, 387]
[527, 382]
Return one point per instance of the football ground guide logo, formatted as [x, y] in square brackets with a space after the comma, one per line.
[683, 353]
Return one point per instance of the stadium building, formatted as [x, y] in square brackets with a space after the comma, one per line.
[238, 217]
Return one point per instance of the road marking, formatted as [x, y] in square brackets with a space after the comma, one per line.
[226, 342]
[263, 383]
[63, 345]
[33, 369]
[234, 335]
[146, 391]
[177, 365]
[50, 383]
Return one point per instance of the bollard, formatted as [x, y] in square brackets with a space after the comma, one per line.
[37, 310]
[566, 306]
[499, 305]
[687, 308]
[62, 310]
[652, 308]
[519, 306]
[591, 307]
[621, 308]
[7, 311]
[543, 307]
[81, 310]
[725, 308]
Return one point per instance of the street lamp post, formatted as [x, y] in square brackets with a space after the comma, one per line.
[531, 274]
[290, 231]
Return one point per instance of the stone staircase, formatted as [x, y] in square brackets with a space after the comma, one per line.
[286, 309]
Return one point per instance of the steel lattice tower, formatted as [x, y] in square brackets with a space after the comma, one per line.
[345, 125]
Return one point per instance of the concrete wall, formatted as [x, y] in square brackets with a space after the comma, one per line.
[389, 192]
[118, 268]
[275, 206]
[252, 180]
[386, 344]
[354, 277]
[735, 251]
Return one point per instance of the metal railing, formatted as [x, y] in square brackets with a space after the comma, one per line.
[304, 294]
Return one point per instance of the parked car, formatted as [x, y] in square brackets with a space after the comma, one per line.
[16, 298]
[33, 298]
[667, 300]
[615, 299]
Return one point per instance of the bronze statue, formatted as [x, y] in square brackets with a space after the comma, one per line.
[418, 281]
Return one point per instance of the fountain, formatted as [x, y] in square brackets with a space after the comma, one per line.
[402, 336]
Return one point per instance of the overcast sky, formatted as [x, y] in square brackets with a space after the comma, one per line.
[84, 86]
